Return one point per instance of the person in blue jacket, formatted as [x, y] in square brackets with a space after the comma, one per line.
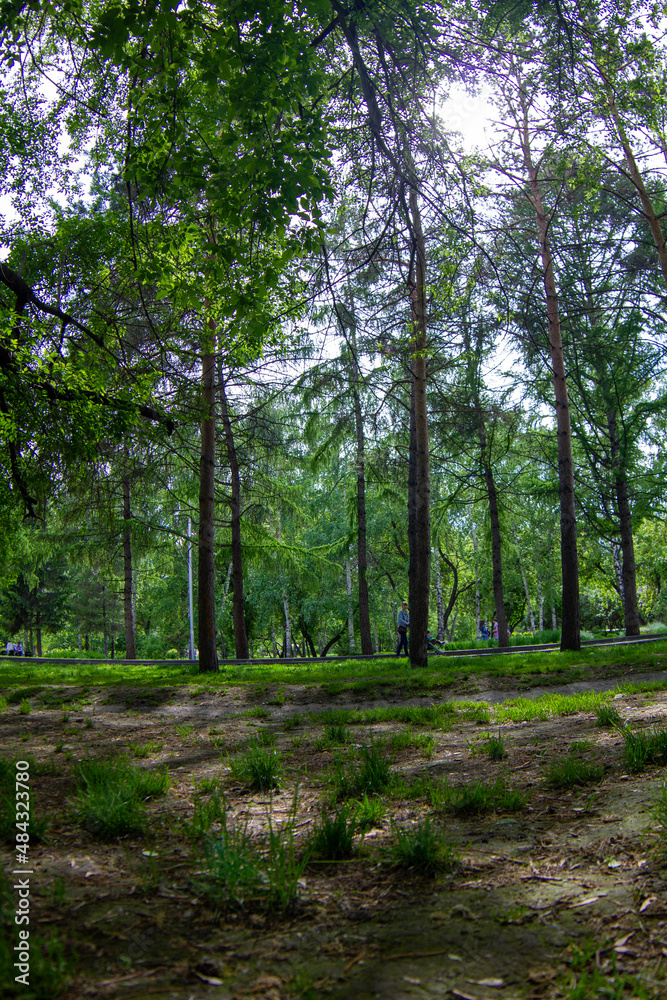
[403, 624]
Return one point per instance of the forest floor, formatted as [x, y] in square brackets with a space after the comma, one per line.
[559, 891]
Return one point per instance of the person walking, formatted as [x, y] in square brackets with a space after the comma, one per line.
[403, 625]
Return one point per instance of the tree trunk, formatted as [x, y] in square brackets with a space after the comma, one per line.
[478, 601]
[438, 603]
[630, 606]
[496, 542]
[240, 636]
[288, 627]
[128, 596]
[419, 477]
[570, 638]
[104, 621]
[523, 577]
[38, 624]
[350, 612]
[208, 654]
[362, 556]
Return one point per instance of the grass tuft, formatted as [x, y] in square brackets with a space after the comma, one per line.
[258, 768]
[422, 848]
[608, 716]
[571, 772]
[111, 796]
[644, 748]
[333, 837]
[369, 813]
[476, 798]
[370, 775]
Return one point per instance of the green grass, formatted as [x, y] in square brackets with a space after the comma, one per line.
[111, 796]
[369, 775]
[232, 868]
[369, 813]
[258, 768]
[50, 969]
[258, 712]
[332, 838]
[476, 798]
[143, 750]
[441, 670]
[205, 815]
[571, 771]
[236, 872]
[422, 848]
[608, 716]
[493, 746]
[644, 748]
[405, 738]
[335, 735]
[15, 697]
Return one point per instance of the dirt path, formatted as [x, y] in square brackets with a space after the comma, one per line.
[569, 884]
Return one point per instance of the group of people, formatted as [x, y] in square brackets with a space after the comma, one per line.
[488, 633]
[14, 649]
[403, 624]
[485, 633]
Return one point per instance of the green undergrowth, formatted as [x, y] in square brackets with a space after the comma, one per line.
[237, 871]
[112, 793]
[555, 665]
[644, 747]
[367, 774]
[422, 848]
[474, 798]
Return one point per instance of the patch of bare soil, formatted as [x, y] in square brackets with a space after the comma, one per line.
[569, 884]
